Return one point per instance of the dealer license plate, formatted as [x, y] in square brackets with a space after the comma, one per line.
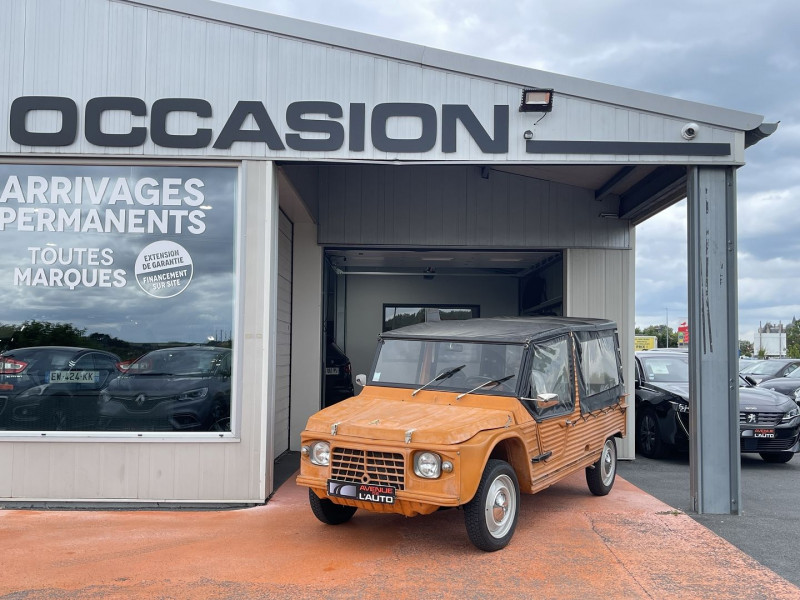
[367, 492]
[764, 433]
[73, 377]
[331, 370]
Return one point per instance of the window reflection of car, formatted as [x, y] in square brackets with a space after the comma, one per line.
[772, 368]
[469, 414]
[52, 388]
[338, 375]
[769, 422]
[182, 389]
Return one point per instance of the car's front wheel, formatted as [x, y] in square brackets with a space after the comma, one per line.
[600, 476]
[491, 516]
[329, 512]
[648, 434]
[777, 457]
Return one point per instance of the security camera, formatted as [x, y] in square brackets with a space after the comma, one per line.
[690, 130]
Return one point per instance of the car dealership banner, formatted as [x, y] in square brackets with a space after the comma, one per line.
[105, 247]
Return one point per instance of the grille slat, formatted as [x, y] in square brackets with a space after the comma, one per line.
[367, 466]
[762, 418]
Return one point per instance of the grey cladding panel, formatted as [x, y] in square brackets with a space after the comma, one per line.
[454, 206]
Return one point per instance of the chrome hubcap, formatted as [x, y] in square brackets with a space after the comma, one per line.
[607, 462]
[500, 506]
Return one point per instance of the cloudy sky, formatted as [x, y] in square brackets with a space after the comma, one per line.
[728, 53]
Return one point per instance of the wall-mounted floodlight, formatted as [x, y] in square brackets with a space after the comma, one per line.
[536, 101]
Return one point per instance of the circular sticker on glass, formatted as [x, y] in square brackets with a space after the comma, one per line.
[164, 269]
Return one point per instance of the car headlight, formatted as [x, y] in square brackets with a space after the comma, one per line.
[795, 412]
[679, 406]
[197, 394]
[427, 465]
[319, 453]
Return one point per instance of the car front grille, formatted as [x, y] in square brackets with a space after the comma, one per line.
[367, 466]
[761, 418]
[140, 403]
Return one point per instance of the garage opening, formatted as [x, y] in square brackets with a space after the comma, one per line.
[370, 290]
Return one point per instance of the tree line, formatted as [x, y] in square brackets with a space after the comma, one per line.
[746, 348]
[44, 333]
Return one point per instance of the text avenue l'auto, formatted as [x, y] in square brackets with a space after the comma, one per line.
[319, 117]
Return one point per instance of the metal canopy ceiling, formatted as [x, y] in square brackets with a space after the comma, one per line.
[378, 261]
[643, 190]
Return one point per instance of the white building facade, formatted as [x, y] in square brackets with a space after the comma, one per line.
[181, 173]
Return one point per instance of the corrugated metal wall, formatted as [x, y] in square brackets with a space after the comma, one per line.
[283, 355]
[454, 206]
[89, 48]
[600, 283]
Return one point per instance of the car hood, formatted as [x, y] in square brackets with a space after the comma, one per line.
[389, 419]
[761, 399]
[676, 388]
[785, 385]
[754, 398]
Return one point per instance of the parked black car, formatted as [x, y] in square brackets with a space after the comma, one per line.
[773, 368]
[179, 389]
[338, 375]
[788, 385]
[52, 388]
[769, 422]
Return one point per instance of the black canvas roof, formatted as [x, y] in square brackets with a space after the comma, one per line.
[500, 329]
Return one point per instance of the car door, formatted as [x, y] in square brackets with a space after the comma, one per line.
[551, 401]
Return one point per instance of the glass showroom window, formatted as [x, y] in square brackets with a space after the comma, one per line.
[402, 315]
[117, 288]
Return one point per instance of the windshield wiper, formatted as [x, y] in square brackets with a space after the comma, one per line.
[487, 383]
[439, 377]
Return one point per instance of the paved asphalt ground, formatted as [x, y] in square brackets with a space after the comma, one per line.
[769, 527]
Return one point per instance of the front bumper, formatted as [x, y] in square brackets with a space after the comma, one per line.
[785, 438]
[384, 465]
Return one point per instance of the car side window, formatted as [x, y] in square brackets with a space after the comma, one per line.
[550, 392]
[104, 363]
[84, 363]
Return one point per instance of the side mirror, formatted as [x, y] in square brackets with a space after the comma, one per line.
[361, 380]
[544, 400]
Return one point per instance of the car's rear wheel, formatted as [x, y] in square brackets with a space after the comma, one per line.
[600, 476]
[491, 516]
[329, 512]
[648, 434]
[777, 457]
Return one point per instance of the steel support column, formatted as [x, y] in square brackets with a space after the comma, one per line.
[713, 320]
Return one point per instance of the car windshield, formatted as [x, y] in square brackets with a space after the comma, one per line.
[176, 362]
[665, 369]
[459, 366]
[766, 367]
